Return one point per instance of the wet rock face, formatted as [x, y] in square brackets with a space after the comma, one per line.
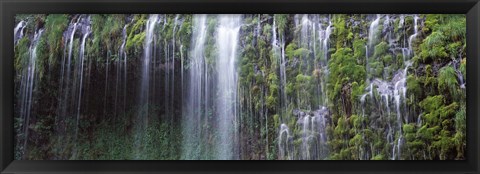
[184, 70]
[322, 112]
[346, 92]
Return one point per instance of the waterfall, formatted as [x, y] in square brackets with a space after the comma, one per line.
[311, 123]
[326, 39]
[195, 96]
[18, 31]
[227, 41]
[170, 74]
[305, 40]
[28, 85]
[72, 81]
[81, 59]
[278, 47]
[79, 69]
[313, 135]
[283, 143]
[373, 32]
[456, 64]
[142, 117]
[64, 83]
[324, 65]
[119, 67]
[372, 38]
[410, 39]
[228, 87]
[83, 26]
[392, 89]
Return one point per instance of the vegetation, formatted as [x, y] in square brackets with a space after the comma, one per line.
[294, 82]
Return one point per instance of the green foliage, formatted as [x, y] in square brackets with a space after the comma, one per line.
[447, 80]
[300, 52]
[303, 87]
[343, 69]
[433, 47]
[413, 86]
[459, 138]
[136, 35]
[55, 25]
[446, 31]
[388, 59]
[22, 53]
[185, 31]
[354, 128]
[42, 57]
[359, 49]
[379, 157]
[107, 31]
[341, 32]
[437, 129]
[291, 50]
[272, 99]
[432, 103]
[380, 49]
[281, 21]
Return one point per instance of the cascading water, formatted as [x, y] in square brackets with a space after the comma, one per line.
[18, 31]
[324, 64]
[372, 39]
[278, 46]
[373, 31]
[284, 135]
[326, 39]
[195, 96]
[65, 73]
[392, 91]
[142, 117]
[80, 67]
[410, 39]
[121, 64]
[456, 64]
[311, 123]
[227, 41]
[244, 87]
[72, 82]
[170, 72]
[284, 141]
[27, 86]
[314, 135]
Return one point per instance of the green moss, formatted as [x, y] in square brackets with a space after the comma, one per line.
[409, 128]
[343, 69]
[281, 21]
[447, 80]
[55, 25]
[380, 49]
[432, 103]
[291, 50]
[433, 47]
[42, 57]
[379, 157]
[359, 49]
[413, 86]
[341, 31]
[301, 52]
[388, 59]
[22, 53]
[136, 34]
